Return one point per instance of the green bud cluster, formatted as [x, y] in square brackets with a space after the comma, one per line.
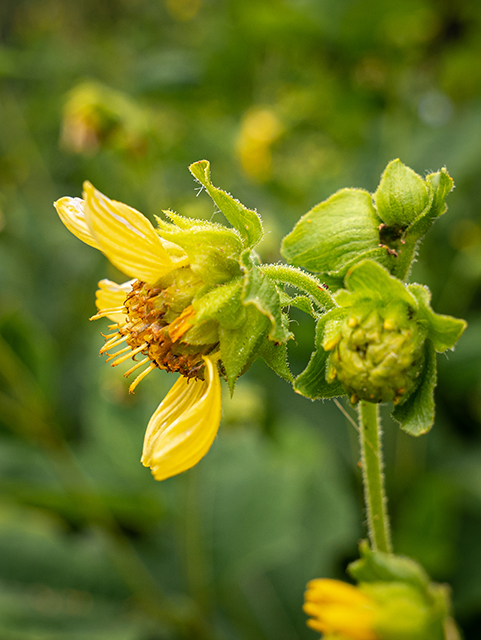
[377, 354]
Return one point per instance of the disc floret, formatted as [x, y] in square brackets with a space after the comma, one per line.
[156, 327]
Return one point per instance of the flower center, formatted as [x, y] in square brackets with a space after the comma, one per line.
[153, 328]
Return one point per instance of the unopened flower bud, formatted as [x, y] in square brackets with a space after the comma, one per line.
[378, 354]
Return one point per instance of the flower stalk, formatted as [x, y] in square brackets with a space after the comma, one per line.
[373, 477]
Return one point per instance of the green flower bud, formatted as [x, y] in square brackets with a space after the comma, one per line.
[402, 195]
[378, 344]
[377, 353]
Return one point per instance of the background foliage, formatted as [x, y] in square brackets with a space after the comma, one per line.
[289, 100]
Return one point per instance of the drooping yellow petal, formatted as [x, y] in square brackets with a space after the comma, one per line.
[72, 214]
[111, 295]
[183, 428]
[128, 239]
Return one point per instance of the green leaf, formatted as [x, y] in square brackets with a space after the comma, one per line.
[238, 346]
[334, 232]
[443, 331]
[372, 280]
[261, 292]
[246, 221]
[222, 304]
[275, 356]
[376, 566]
[402, 195]
[416, 414]
[312, 381]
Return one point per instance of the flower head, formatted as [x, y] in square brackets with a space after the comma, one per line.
[340, 610]
[152, 315]
[196, 305]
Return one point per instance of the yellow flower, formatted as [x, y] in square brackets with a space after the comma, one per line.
[340, 610]
[152, 315]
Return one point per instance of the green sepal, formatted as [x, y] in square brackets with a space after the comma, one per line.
[213, 250]
[443, 331]
[238, 346]
[303, 303]
[222, 304]
[402, 195]
[377, 566]
[246, 221]
[180, 221]
[416, 414]
[275, 356]
[370, 280]
[334, 232]
[441, 184]
[261, 292]
[312, 381]
[201, 333]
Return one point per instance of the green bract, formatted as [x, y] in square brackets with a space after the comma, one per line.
[378, 345]
[234, 304]
[409, 606]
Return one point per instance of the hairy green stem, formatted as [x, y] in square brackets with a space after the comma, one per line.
[295, 277]
[405, 259]
[373, 477]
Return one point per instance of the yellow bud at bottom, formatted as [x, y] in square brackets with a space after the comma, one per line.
[340, 609]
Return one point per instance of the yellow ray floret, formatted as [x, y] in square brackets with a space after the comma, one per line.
[110, 298]
[184, 426]
[128, 239]
[339, 608]
[72, 214]
[123, 234]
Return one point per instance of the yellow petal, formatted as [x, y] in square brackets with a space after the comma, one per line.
[72, 214]
[184, 426]
[128, 239]
[111, 295]
[339, 608]
[326, 590]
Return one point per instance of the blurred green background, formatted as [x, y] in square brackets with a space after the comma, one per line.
[289, 100]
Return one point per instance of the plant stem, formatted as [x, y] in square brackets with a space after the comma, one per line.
[301, 280]
[373, 477]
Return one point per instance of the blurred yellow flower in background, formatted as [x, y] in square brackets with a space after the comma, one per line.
[260, 128]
